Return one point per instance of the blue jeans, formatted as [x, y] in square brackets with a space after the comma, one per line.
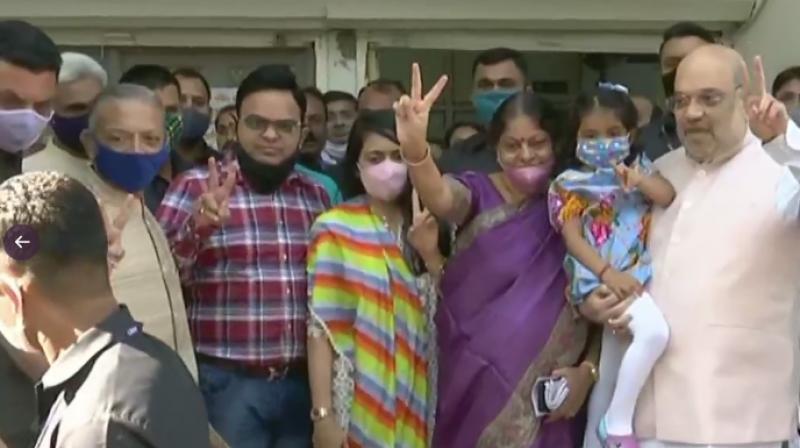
[252, 412]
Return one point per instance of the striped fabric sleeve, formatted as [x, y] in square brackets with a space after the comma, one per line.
[332, 300]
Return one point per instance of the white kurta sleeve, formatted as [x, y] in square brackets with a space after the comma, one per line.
[786, 151]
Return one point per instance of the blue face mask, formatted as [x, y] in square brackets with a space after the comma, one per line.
[195, 124]
[131, 172]
[486, 103]
[604, 153]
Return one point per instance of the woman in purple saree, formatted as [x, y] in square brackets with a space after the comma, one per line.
[503, 320]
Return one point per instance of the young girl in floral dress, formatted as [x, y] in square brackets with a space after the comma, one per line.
[603, 210]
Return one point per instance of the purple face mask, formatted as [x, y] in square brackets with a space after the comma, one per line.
[69, 129]
[384, 181]
[20, 129]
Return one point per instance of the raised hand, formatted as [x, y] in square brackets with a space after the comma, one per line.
[114, 227]
[412, 114]
[424, 231]
[768, 116]
[211, 208]
[630, 178]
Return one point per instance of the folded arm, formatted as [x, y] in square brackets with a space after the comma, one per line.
[658, 190]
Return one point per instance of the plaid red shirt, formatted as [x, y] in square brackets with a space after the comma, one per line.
[248, 278]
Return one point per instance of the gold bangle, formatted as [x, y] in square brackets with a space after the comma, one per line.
[592, 370]
[319, 413]
[423, 160]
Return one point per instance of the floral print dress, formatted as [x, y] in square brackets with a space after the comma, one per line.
[614, 222]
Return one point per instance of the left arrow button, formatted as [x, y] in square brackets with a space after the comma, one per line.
[21, 242]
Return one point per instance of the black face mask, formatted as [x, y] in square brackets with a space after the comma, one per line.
[261, 177]
[309, 160]
[668, 81]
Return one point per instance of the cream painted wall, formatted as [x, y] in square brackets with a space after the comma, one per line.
[774, 34]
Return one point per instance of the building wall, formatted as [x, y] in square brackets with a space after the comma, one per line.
[774, 34]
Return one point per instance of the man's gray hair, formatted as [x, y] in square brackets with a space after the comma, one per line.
[77, 66]
[123, 92]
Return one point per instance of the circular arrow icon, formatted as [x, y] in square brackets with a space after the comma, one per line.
[21, 242]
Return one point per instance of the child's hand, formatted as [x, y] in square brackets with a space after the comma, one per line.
[622, 284]
[424, 231]
[630, 178]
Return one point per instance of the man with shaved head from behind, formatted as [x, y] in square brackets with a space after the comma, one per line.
[726, 259]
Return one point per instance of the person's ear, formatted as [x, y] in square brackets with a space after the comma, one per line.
[303, 135]
[11, 294]
[89, 144]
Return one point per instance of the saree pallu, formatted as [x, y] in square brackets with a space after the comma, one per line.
[503, 322]
[365, 298]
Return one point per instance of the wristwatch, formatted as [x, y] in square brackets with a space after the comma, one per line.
[592, 370]
[319, 413]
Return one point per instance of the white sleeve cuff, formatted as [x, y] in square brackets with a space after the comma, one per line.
[793, 136]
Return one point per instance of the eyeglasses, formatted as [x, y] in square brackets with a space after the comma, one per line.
[261, 124]
[707, 99]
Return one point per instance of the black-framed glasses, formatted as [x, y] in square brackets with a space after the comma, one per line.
[260, 124]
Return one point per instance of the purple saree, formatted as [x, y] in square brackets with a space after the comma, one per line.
[503, 321]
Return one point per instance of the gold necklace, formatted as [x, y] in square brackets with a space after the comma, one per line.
[397, 233]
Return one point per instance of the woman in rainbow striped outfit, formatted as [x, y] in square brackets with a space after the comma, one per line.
[371, 340]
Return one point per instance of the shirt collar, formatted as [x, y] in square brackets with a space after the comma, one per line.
[106, 191]
[113, 328]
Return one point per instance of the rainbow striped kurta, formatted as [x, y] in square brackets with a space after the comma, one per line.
[364, 295]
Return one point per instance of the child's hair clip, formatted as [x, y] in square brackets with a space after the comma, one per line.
[615, 87]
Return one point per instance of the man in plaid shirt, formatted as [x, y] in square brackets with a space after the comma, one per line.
[239, 233]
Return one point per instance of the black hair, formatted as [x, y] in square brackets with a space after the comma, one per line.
[271, 77]
[785, 77]
[187, 72]
[686, 29]
[497, 55]
[224, 110]
[332, 96]
[382, 122]
[154, 77]
[384, 85]
[616, 101]
[537, 108]
[26, 46]
[448, 134]
[67, 220]
[369, 122]
[315, 92]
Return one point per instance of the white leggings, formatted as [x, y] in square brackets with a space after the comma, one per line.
[623, 372]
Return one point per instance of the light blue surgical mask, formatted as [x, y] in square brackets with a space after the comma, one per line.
[486, 103]
[604, 153]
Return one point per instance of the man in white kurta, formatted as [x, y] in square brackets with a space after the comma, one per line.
[726, 259]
